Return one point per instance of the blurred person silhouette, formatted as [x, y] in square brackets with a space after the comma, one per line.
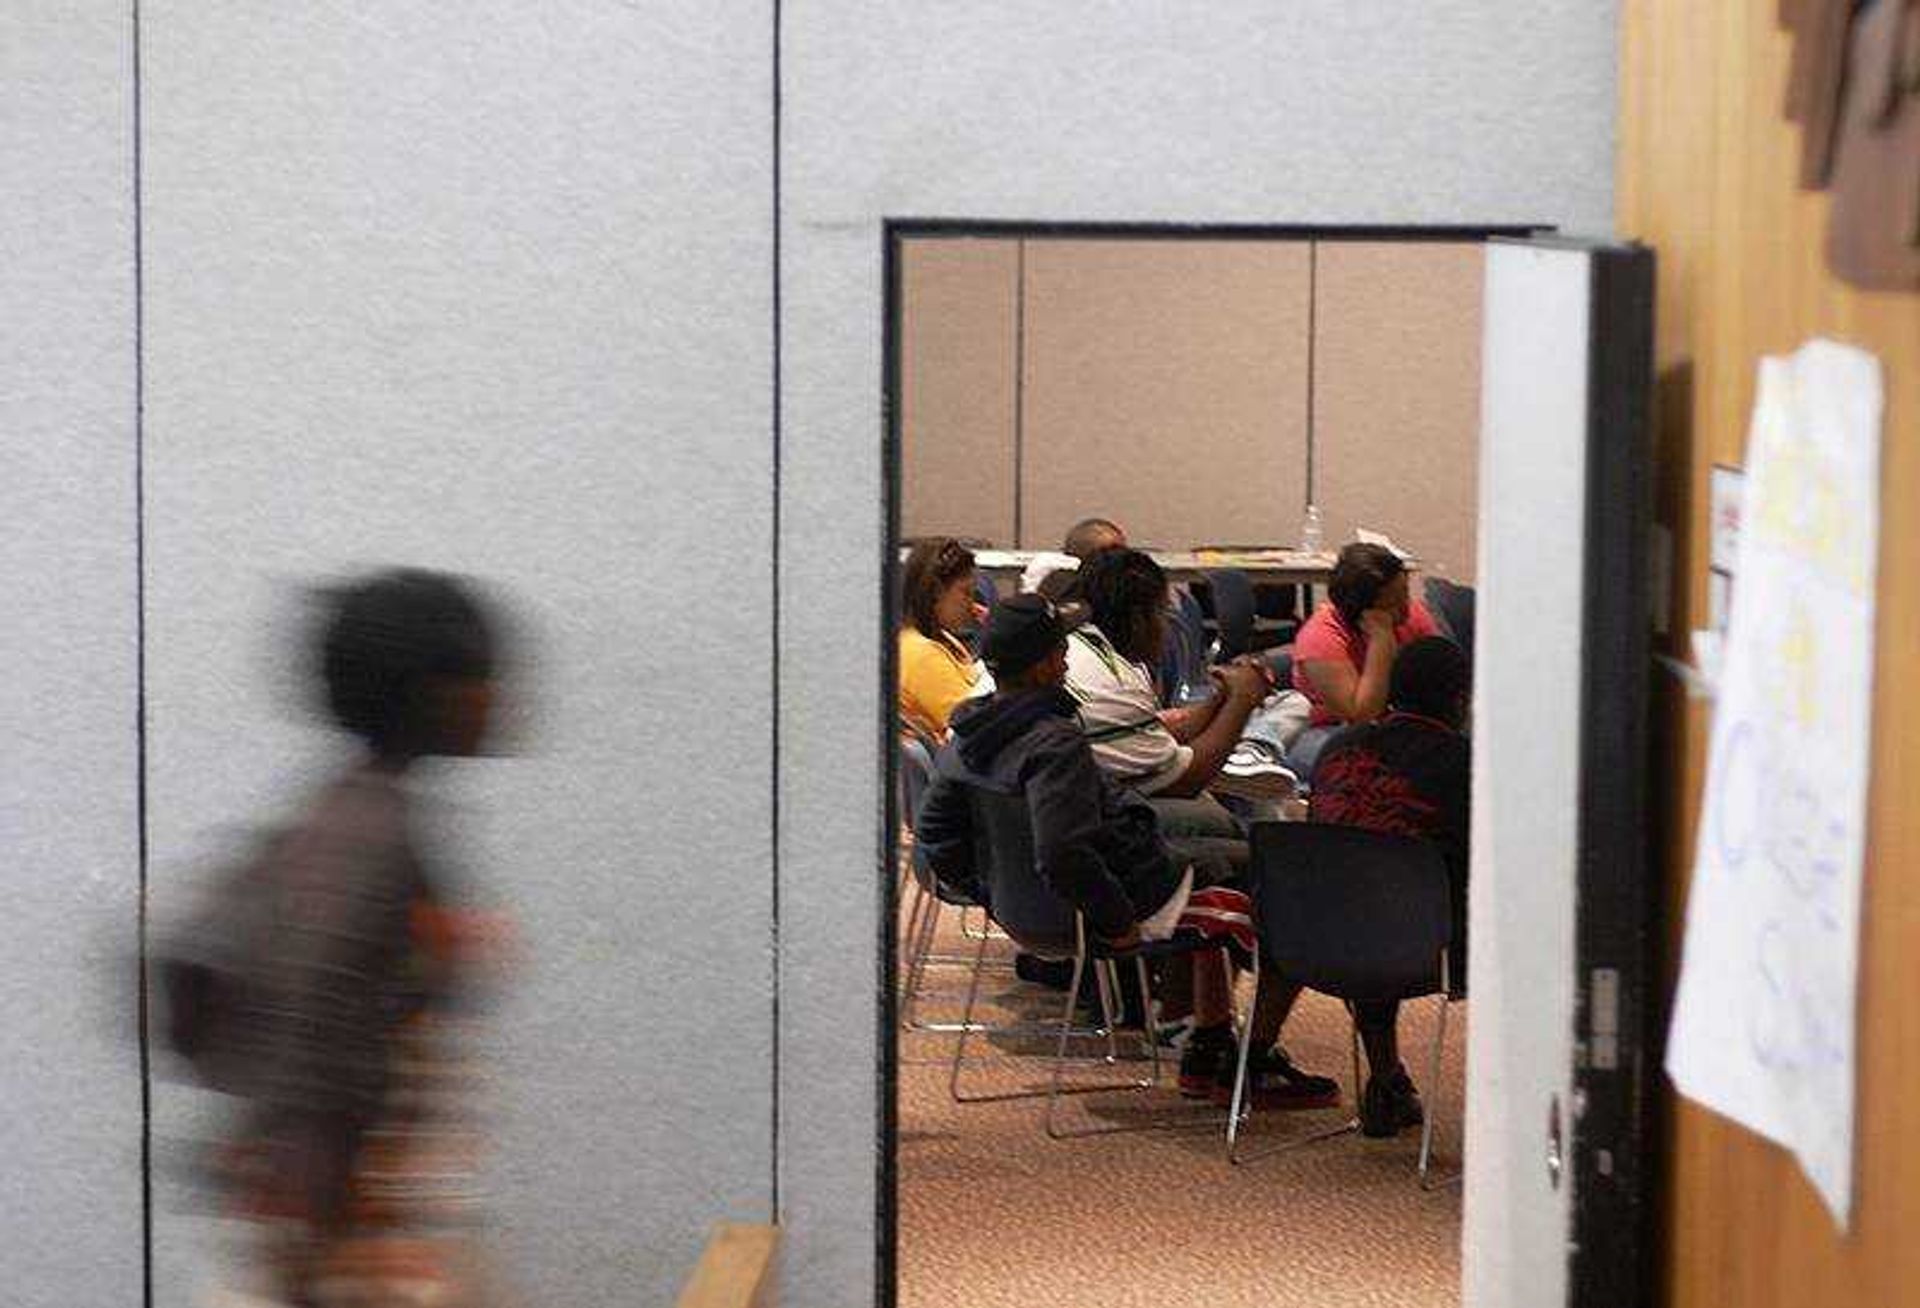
[313, 985]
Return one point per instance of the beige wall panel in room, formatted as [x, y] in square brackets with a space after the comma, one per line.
[1396, 395]
[1166, 389]
[959, 365]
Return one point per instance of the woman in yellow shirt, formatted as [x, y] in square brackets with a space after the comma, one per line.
[937, 670]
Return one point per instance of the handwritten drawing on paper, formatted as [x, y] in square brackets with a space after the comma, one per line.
[1763, 1025]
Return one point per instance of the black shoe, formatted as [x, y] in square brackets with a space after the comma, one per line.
[1390, 1104]
[1053, 973]
[1273, 1082]
[1208, 1054]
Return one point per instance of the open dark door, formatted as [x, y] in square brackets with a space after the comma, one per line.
[1559, 1163]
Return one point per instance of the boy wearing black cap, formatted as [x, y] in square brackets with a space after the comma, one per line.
[1095, 845]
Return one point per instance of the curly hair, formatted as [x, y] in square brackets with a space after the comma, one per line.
[932, 565]
[1126, 590]
[384, 642]
[1359, 575]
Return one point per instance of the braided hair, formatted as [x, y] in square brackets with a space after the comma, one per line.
[1127, 592]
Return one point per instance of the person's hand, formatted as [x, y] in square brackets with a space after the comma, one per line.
[1264, 668]
[1377, 624]
[1243, 682]
[979, 614]
[1126, 942]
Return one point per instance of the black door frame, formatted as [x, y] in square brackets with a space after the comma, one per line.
[1613, 1233]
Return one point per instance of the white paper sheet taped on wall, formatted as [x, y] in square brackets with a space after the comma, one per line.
[1763, 1025]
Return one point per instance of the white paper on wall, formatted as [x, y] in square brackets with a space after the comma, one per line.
[1763, 1025]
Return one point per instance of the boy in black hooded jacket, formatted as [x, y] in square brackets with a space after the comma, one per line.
[1095, 845]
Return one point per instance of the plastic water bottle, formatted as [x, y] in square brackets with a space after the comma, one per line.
[1311, 533]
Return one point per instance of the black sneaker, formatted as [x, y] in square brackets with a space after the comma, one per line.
[1053, 973]
[1273, 1082]
[1208, 1053]
[1389, 1105]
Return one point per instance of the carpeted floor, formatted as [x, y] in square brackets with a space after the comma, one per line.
[994, 1213]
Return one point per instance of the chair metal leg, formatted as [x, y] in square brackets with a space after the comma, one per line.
[1351, 1125]
[1148, 1027]
[1353, 1037]
[1433, 1077]
[1103, 979]
[967, 1025]
[1054, 1129]
[922, 950]
[912, 938]
[1240, 1066]
[923, 928]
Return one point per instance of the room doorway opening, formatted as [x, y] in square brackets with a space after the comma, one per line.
[1218, 392]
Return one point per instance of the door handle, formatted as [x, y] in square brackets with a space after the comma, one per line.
[1556, 1159]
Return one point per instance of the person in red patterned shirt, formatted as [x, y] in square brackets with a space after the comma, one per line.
[1408, 774]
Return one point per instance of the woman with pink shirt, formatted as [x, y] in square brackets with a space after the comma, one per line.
[1343, 656]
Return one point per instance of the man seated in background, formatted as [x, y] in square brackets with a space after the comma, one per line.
[1090, 536]
[1409, 774]
[1101, 849]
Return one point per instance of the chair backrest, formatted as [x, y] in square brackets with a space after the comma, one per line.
[1348, 912]
[1453, 604]
[1276, 600]
[1023, 905]
[916, 774]
[986, 595]
[1281, 661]
[1232, 592]
[1183, 661]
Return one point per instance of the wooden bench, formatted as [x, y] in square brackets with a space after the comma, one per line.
[736, 1270]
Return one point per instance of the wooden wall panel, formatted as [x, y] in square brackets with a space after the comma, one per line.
[1396, 395]
[1166, 388]
[1707, 175]
[959, 359]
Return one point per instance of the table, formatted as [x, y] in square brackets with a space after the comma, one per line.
[1277, 566]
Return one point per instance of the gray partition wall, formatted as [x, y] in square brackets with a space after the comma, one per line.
[1313, 114]
[492, 287]
[70, 1086]
[488, 288]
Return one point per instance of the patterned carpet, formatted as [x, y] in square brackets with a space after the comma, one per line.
[994, 1214]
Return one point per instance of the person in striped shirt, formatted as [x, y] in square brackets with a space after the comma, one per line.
[1164, 753]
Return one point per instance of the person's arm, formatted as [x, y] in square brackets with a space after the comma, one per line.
[1191, 720]
[1360, 697]
[1063, 801]
[1243, 687]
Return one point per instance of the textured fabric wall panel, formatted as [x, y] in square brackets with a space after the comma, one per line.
[1396, 395]
[489, 288]
[69, 768]
[1319, 112]
[1166, 388]
[959, 356]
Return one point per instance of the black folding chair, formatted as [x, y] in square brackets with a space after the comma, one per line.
[1231, 591]
[1042, 923]
[1358, 915]
[930, 894]
[1453, 605]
